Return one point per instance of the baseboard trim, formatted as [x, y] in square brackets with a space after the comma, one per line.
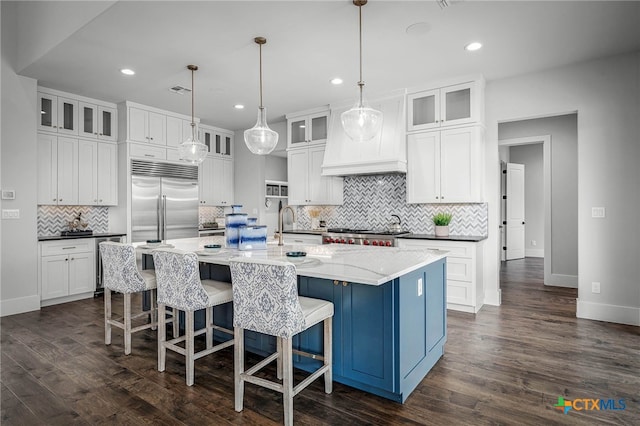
[19, 305]
[610, 313]
[493, 297]
[534, 253]
[559, 280]
[65, 299]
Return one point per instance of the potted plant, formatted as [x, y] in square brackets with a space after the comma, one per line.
[441, 222]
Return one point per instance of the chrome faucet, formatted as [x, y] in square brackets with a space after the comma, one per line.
[293, 216]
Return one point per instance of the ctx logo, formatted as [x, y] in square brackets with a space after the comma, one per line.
[589, 404]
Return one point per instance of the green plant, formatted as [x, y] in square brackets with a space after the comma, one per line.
[442, 219]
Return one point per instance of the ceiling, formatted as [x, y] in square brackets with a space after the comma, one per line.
[310, 42]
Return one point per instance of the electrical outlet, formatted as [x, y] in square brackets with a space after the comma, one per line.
[534, 243]
[419, 287]
[598, 212]
[595, 287]
[10, 213]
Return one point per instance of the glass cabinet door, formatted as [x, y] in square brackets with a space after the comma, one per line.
[67, 116]
[218, 144]
[424, 112]
[48, 117]
[318, 131]
[456, 106]
[227, 145]
[88, 122]
[107, 123]
[298, 132]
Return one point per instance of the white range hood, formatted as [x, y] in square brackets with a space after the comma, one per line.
[386, 153]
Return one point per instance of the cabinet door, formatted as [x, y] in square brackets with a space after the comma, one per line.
[207, 138]
[435, 292]
[317, 125]
[157, 128]
[298, 172]
[456, 104]
[367, 334]
[88, 120]
[227, 143]
[82, 278]
[107, 167]
[322, 189]
[138, 125]
[107, 124]
[297, 132]
[423, 167]
[48, 117]
[174, 131]
[205, 173]
[55, 276]
[67, 116]
[67, 171]
[227, 182]
[459, 165]
[423, 110]
[47, 169]
[88, 173]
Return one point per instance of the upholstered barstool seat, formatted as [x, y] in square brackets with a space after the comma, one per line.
[181, 289]
[265, 299]
[121, 274]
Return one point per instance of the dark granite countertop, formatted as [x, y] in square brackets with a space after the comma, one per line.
[303, 231]
[470, 238]
[95, 235]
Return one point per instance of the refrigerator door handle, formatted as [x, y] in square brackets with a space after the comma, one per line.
[158, 207]
[164, 217]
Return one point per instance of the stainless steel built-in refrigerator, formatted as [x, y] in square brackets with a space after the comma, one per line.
[164, 201]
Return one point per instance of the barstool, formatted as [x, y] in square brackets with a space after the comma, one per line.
[265, 299]
[121, 274]
[180, 287]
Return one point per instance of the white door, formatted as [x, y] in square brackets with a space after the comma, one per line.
[423, 167]
[515, 211]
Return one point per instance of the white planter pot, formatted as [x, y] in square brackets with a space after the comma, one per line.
[442, 231]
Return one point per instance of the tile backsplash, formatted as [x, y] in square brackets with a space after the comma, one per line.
[369, 202]
[53, 219]
[208, 214]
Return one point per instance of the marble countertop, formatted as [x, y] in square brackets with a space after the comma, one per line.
[470, 238]
[360, 264]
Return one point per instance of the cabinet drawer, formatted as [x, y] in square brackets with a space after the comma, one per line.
[54, 248]
[454, 248]
[146, 151]
[173, 155]
[459, 269]
[459, 292]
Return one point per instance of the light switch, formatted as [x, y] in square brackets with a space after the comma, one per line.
[10, 213]
[598, 212]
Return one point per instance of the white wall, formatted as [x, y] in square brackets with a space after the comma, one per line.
[19, 241]
[531, 157]
[606, 95]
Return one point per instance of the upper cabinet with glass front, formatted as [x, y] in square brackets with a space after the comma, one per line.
[57, 114]
[307, 127]
[98, 122]
[219, 141]
[450, 105]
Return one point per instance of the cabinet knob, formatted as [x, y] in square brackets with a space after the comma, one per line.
[59, 199]
[437, 197]
[336, 282]
[72, 258]
[54, 199]
[95, 201]
[55, 127]
[95, 133]
[67, 259]
[344, 283]
[151, 138]
[442, 198]
[100, 199]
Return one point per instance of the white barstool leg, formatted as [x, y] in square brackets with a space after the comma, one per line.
[287, 381]
[209, 326]
[127, 323]
[328, 353]
[238, 366]
[279, 360]
[154, 309]
[162, 337]
[107, 316]
[189, 346]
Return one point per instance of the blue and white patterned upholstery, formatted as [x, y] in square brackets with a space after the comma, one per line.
[121, 272]
[265, 297]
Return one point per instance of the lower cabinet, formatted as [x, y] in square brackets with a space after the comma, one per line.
[293, 238]
[67, 269]
[464, 271]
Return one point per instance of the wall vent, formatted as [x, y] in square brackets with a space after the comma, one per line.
[180, 90]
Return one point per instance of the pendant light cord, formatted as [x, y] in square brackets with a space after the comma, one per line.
[260, 76]
[361, 82]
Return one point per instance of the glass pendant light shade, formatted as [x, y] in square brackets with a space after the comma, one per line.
[361, 123]
[192, 150]
[260, 139]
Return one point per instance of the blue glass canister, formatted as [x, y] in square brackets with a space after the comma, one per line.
[233, 223]
[252, 221]
[252, 238]
[236, 208]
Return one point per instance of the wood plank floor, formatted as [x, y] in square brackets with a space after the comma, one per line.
[505, 365]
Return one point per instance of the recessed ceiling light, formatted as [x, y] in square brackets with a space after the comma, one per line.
[336, 81]
[127, 71]
[473, 46]
[238, 106]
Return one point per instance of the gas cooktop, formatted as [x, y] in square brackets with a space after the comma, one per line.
[364, 231]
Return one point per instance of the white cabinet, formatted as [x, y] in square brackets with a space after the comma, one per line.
[57, 114]
[307, 127]
[446, 106]
[146, 126]
[149, 152]
[465, 291]
[307, 239]
[216, 181]
[307, 186]
[97, 173]
[57, 170]
[386, 153]
[97, 122]
[219, 141]
[445, 166]
[178, 130]
[67, 268]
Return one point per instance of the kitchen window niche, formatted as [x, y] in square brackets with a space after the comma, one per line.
[276, 189]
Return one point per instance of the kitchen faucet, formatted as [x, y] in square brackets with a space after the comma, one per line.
[280, 215]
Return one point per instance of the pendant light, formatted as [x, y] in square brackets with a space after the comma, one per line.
[361, 123]
[260, 139]
[192, 150]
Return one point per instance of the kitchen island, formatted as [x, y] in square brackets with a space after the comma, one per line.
[389, 324]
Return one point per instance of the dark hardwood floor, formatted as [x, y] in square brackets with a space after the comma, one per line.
[504, 365]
